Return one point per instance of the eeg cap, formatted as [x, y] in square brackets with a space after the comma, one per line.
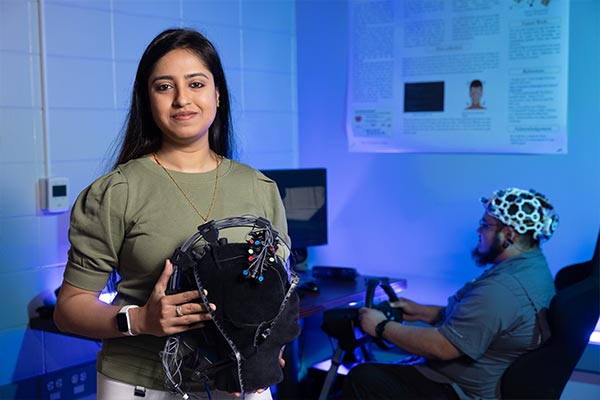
[524, 210]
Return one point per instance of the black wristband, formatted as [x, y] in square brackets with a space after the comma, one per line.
[380, 327]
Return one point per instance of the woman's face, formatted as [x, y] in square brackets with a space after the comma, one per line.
[183, 97]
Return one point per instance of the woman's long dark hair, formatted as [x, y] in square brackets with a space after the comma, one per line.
[141, 135]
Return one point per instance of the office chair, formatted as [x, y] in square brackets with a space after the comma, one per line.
[543, 373]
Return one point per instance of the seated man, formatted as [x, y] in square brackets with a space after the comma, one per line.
[486, 325]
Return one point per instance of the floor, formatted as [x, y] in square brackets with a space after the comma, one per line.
[582, 386]
[578, 388]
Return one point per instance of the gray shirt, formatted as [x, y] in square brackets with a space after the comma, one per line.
[493, 320]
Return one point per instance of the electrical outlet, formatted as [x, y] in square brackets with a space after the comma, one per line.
[69, 383]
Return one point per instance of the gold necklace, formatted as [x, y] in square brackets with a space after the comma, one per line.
[214, 196]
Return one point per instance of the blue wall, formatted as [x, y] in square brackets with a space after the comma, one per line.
[415, 215]
[409, 215]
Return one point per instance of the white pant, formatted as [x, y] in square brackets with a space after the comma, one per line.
[111, 389]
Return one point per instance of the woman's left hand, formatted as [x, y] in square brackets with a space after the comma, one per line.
[281, 364]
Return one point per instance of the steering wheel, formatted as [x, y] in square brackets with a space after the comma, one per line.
[391, 313]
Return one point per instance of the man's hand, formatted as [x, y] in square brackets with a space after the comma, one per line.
[426, 342]
[369, 318]
[412, 311]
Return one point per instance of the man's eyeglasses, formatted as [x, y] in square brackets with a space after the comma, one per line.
[483, 224]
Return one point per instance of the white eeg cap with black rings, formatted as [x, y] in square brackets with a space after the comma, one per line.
[524, 210]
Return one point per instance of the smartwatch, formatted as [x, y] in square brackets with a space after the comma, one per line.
[380, 327]
[123, 321]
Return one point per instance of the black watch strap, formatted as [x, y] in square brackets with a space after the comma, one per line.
[380, 327]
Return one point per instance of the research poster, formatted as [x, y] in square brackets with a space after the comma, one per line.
[458, 76]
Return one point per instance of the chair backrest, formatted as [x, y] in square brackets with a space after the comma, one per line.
[572, 316]
[570, 275]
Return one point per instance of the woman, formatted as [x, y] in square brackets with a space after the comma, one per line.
[172, 175]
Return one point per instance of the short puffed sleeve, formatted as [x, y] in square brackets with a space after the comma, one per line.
[97, 229]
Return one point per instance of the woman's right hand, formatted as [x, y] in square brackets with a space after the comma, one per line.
[169, 314]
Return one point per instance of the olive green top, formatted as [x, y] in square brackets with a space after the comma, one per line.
[133, 218]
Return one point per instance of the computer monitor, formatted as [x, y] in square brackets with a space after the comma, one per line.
[304, 194]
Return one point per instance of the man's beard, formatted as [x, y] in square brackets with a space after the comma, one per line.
[483, 259]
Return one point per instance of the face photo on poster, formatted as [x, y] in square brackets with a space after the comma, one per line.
[476, 95]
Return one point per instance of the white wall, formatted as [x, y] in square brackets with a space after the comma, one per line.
[92, 51]
[415, 215]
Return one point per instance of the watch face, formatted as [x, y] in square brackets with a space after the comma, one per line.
[122, 322]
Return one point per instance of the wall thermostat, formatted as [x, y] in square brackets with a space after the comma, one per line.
[55, 194]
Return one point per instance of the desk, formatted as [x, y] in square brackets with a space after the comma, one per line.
[333, 293]
[336, 293]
